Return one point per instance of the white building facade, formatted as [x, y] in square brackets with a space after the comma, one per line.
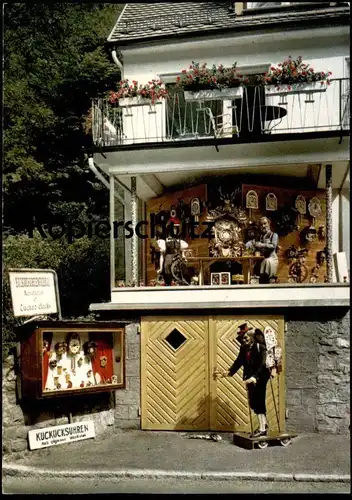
[151, 150]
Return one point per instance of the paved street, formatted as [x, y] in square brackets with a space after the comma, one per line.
[145, 450]
[129, 462]
[84, 486]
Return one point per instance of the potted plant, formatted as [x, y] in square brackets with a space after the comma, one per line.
[136, 95]
[293, 77]
[153, 91]
[125, 91]
[217, 83]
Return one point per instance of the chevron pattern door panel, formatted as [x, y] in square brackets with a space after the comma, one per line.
[179, 391]
[229, 407]
[175, 373]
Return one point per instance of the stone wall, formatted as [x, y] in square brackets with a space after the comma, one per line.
[318, 371]
[119, 409]
[127, 400]
[14, 431]
[333, 405]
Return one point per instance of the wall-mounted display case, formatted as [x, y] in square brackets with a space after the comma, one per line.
[61, 359]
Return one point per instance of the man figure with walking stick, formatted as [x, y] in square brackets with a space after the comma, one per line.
[252, 357]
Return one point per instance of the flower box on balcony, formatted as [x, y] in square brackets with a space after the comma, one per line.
[295, 88]
[207, 94]
[127, 102]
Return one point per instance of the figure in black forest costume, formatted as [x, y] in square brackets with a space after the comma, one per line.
[252, 357]
[267, 245]
[172, 265]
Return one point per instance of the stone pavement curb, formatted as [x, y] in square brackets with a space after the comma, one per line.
[13, 470]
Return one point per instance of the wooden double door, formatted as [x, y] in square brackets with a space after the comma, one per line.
[178, 388]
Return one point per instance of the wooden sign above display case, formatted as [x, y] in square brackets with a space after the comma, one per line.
[65, 359]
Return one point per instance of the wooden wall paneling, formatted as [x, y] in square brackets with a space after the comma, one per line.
[286, 197]
[164, 202]
[178, 387]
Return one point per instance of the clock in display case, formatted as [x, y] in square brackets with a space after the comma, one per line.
[62, 359]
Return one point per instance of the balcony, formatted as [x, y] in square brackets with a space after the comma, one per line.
[257, 115]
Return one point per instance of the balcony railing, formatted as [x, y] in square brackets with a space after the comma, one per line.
[246, 119]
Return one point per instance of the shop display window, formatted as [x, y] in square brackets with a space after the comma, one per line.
[66, 360]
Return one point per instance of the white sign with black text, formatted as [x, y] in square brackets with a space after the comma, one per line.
[60, 434]
[33, 292]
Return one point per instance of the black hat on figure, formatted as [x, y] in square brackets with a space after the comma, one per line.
[244, 329]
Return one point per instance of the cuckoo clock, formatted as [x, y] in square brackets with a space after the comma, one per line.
[271, 202]
[228, 238]
[229, 224]
[301, 207]
[252, 200]
[195, 208]
[314, 208]
[162, 217]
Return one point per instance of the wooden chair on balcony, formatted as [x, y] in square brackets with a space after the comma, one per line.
[221, 124]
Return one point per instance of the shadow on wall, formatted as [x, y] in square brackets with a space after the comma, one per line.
[227, 420]
[198, 422]
[58, 409]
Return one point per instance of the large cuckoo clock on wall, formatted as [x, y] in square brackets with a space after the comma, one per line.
[228, 230]
[228, 240]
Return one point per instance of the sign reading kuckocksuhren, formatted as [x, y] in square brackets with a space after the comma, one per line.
[33, 292]
[60, 434]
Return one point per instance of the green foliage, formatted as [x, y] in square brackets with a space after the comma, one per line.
[54, 64]
[82, 268]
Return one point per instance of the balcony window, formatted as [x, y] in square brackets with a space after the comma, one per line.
[269, 6]
[190, 120]
[259, 5]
